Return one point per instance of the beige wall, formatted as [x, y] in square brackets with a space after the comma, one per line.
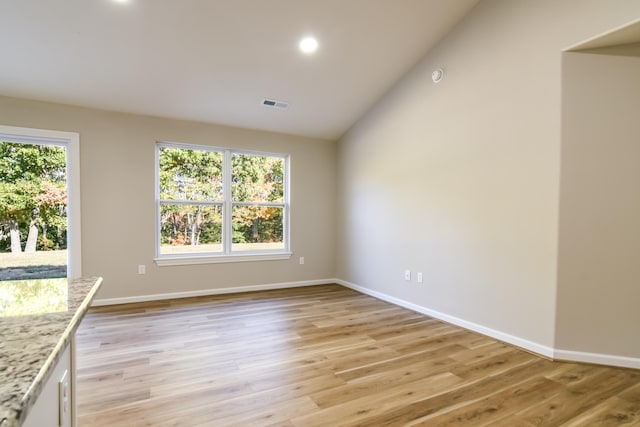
[599, 250]
[460, 180]
[117, 174]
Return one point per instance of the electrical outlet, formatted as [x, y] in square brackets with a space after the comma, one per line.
[419, 277]
[142, 269]
[301, 260]
[407, 275]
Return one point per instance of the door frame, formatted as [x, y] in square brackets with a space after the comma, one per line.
[71, 140]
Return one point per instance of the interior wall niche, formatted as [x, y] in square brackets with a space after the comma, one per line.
[599, 225]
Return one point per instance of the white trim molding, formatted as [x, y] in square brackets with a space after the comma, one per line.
[225, 202]
[511, 339]
[597, 358]
[71, 140]
[207, 292]
[542, 350]
[217, 259]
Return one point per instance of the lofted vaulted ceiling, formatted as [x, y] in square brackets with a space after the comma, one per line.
[216, 60]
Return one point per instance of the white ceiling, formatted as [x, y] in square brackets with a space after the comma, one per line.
[215, 60]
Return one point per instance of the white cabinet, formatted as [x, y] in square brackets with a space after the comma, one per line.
[54, 405]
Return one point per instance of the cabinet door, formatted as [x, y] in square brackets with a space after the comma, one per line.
[53, 406]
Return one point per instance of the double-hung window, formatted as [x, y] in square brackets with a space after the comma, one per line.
[220, 205]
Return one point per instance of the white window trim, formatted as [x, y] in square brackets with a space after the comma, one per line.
[169, 260]
[71, 140]
[227, 256]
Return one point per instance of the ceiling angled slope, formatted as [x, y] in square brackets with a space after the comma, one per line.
[217, 60]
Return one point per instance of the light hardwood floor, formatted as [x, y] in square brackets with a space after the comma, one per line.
[325, 356]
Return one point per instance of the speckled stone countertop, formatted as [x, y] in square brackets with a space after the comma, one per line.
[37, 320]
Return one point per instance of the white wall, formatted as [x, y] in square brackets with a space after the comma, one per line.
[460, 180]
[118, 207]
[599, 258]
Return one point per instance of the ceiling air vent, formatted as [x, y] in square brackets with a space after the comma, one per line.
[275, 104]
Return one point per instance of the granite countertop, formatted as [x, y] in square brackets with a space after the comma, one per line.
[37, 320]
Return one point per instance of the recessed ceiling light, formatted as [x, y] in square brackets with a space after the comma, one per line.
[308, 45]
[120, 1]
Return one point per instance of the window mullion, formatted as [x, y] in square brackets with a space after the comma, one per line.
[261, 204]
[227, 226]
[190, 202]
[286, 225]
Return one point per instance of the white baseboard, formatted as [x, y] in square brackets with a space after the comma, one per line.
[511, 339]
[204, 292]
[549, 352]
[597, 358]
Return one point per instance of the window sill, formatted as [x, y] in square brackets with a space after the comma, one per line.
[218, 259]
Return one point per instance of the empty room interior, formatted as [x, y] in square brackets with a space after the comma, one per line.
[337, 213]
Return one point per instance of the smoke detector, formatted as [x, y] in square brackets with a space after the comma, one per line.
[437, 75]
[272, 103]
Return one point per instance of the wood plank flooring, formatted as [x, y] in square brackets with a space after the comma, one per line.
[325, 356]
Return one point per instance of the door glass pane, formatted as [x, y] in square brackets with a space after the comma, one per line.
[33, 211]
